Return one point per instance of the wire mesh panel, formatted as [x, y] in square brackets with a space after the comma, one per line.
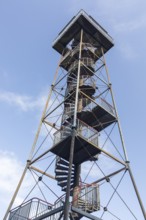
[20, 213]
[87, 198]
[30, 210]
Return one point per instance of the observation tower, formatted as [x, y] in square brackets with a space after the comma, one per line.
[79, 167]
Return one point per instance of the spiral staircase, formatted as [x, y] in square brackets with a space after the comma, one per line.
[61, 174]
[89, 116]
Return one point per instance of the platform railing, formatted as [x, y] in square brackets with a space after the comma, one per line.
[85, 61]
[84, 130]
[88, 105]
[76, 49]
[86, 81]
[102, 103]
[87, 132]
[87, 198]
[35, 208]
[30, 210]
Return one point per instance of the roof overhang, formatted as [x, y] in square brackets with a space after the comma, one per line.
[82, 21]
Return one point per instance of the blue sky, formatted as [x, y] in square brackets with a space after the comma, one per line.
[28, 63]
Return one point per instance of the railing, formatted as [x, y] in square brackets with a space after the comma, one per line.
[85, 61]
[84, 131]
[35, 208]
[88, 105]
[87, 198]
[30, 210]
[69, 110]
[86, 81]
[102, 103]
[85, 46]
[87, 132]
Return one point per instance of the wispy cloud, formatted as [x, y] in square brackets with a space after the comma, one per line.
[10, 169]
[131, 25]
[23, 102]
[10, 172]
[128, 51]
[108, 9]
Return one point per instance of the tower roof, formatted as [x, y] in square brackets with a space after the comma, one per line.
[83, 21]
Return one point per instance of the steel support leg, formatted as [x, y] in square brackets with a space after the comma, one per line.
[67, 205]
[123, 145]
[136, 191]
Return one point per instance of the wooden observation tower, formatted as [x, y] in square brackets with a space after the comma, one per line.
[79, 164]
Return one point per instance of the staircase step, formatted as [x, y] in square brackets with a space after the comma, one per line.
[63, 161]
[65, 181]
[61, 173]
[62, 183]
[67, 128]
[64, 188]
[66, 132]
[60, 178]
[60, 167]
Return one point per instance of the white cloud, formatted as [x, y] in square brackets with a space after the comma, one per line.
[108, 8]
[10, 169]
[10, 172]
[23, 102]
[128, 51]
[131, 25]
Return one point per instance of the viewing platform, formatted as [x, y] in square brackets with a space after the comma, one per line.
[97, 35]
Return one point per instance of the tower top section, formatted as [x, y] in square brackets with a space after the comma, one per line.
[93, 32]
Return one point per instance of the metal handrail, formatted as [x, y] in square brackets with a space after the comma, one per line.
[85, 61]
[102, 103]
[72, 52]
[30, 209]
[86, 132]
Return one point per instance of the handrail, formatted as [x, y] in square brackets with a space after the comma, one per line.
[31, 200]
[84, 61]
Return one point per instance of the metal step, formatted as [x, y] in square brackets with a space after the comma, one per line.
[66, 132]
[65, 181]
[61, 167]
[62, 161]
[61, 173]
[65, 187]
[62, 184]
[67, 128]
[63, 176]
[64, 136]
[60, 178]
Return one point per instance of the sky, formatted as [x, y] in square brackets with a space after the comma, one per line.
[28, 63]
